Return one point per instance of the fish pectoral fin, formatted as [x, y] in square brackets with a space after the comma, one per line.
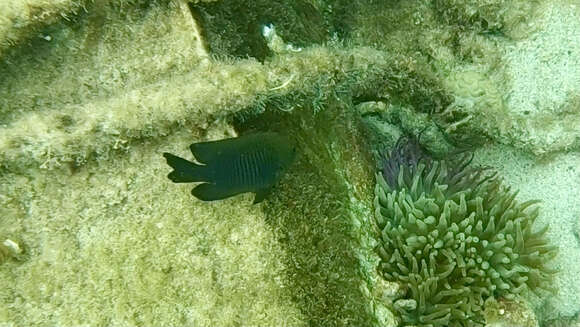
[262, 194]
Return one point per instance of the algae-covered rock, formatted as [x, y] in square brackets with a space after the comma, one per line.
[509, 313]
[108, 246]
[92, 92]
[109, 240]
[21, 19]
[527, 97]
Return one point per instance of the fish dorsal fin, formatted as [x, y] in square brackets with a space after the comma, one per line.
[204, 152]
[261, 194]
[211, 151]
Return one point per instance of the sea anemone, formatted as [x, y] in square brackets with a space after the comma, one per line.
[454, 236]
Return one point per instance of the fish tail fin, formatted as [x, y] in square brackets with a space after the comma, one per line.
[184, 171]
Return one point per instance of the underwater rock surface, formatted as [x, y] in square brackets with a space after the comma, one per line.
[92, 92]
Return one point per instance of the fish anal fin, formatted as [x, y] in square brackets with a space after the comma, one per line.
[261, 194]
[211, 192]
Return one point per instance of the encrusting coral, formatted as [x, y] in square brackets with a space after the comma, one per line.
[454, 236]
